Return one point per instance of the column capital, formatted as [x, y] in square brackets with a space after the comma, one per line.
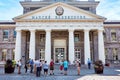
[32, 30]
[86, 30]
[100, 30]
[48, 30]
[17, 30]
[71, 30]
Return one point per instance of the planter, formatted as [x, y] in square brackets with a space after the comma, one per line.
[9, 67]
[98, 67]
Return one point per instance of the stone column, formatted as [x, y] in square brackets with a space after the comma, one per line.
[32, 45]
[71, 46]
[48, 46]
[86, 45]
[101, 52]
[18, 46]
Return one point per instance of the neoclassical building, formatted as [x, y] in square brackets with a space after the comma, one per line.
[58, 30]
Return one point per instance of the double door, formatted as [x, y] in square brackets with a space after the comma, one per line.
[59, 54]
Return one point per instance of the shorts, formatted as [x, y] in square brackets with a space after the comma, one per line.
[65, 69]
[51, 68]
[45, 70]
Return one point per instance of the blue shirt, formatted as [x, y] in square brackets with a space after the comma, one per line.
[65, 63]
[89, 62]
[31, 62]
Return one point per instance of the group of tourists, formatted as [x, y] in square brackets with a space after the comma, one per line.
[37, 66]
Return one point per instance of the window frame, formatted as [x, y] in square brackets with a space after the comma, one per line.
[76, 37]
[5, 36]
[115, 53]
[4, 54]
[14, 34]
[42, 37]
[115, 37]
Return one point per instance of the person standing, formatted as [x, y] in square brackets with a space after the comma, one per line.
[51, 67]
[37, 65]
[31, 62]
[61, 66]
[65, 65]
[26, 67]
[45, 67]
[89, 63]
[41, 66]
[19, 66]
[78, 64]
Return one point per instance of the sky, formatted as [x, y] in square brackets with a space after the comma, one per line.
[109, 9]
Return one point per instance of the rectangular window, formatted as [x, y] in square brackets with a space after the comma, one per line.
[5, 35]
[42, 37]
[115, 53]
[104, 35]
[14, 36]
[4, 52]
[113, 36]
[106, 53]
[76, 38]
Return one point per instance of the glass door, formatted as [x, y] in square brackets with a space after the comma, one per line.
[59, 54]
[42, 54]
[77, 54]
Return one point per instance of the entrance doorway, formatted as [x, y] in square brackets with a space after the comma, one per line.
[59, 50]
[42, 54]
[59, 54]
[78, 54]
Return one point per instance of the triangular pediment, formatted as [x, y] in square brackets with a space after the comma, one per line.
[58, 11]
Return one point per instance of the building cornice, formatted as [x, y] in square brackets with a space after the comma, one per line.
[112, 25]
[60, 20]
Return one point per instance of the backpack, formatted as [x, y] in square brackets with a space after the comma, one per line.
[51, 63]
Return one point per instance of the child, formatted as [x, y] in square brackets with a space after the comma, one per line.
[61, 66]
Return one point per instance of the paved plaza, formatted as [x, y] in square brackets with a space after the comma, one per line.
[110, 73]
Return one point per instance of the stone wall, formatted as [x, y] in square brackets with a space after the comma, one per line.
[9, 44]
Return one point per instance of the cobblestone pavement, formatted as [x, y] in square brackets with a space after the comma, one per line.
[86, 74]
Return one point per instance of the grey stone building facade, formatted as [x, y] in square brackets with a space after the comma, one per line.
[111, 36]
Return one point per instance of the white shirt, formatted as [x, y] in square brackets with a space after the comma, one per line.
[19, 63]
[37, 63]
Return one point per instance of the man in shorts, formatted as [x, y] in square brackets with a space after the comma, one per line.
[65, 65]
